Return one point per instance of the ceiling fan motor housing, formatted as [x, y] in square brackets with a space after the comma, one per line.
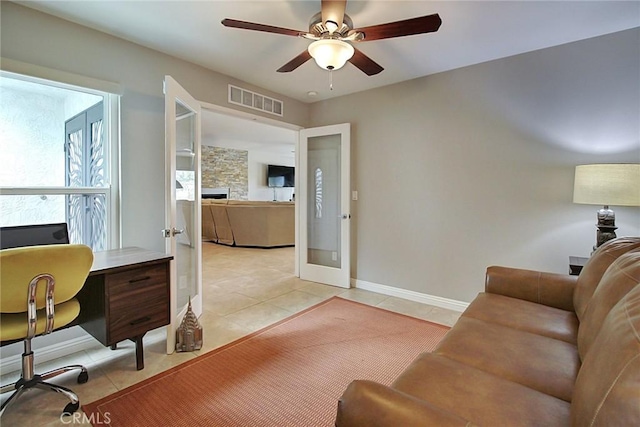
[320, 30]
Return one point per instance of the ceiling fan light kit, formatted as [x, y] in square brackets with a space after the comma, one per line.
[331, 54]
[332, 32]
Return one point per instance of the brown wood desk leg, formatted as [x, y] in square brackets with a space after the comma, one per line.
[139, 352]
[114, 346]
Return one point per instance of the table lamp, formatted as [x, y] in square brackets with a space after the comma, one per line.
[607, 185]
[275, 182]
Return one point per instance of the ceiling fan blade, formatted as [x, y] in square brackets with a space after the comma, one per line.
[260, 27]
[333, 10]
[408, 27]
[365, 64]
[295, 62]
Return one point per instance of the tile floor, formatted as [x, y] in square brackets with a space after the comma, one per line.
[244, 289]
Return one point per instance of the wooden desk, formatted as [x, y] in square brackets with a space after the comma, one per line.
[125, 296]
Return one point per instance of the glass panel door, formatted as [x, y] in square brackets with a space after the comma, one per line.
[183, 203]
[324, 205]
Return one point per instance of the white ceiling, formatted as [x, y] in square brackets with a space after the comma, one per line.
[222, 130]
[472, 32]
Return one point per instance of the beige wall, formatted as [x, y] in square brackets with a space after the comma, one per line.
[36, 38]
[473, 167]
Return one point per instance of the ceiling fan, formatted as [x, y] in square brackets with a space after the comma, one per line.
[332, 32]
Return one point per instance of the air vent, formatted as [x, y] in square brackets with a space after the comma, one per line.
[255, 101]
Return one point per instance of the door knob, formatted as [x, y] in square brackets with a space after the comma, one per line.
[170, 232]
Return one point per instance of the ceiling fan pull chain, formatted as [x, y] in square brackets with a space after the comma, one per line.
[330, 79]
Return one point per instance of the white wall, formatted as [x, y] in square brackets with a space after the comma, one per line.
[265, 143]
[474, 167]
[258, 161]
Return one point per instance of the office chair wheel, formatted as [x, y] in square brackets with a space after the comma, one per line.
[83, 377]
[70, 408]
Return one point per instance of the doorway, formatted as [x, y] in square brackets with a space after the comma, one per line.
[242, 146]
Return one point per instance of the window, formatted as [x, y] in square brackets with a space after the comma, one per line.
[85, 167]
[55, 162]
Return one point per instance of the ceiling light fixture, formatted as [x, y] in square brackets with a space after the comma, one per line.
[331, 54]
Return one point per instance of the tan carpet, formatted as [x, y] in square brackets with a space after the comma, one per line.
[288, 374]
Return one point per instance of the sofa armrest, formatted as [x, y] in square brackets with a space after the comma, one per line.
[551, 289]
[366, 403]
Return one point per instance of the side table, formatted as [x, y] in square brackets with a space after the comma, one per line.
[575, 264]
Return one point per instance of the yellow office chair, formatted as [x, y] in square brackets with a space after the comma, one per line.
[37, 289]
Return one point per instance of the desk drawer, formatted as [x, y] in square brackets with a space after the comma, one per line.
[138, 301]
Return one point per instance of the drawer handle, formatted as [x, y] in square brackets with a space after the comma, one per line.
[140, 320]
[142, 279]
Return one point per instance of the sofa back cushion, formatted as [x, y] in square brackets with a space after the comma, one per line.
[596, 266]
[622, 276]
[607, 391]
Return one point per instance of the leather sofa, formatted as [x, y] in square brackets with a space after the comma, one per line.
[535, 348]
[248, 223]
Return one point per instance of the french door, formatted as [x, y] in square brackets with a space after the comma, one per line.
[324, 204]
[182, 201]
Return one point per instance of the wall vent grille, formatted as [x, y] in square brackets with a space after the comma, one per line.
[255, 101]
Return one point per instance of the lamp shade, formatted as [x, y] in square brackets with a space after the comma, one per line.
[607, 184]
[331, 54]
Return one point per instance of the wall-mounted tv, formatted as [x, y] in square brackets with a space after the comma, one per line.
[280, 176]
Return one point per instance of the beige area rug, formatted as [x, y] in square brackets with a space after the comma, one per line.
[288, 374]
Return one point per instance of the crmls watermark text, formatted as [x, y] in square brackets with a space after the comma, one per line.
[95, 418]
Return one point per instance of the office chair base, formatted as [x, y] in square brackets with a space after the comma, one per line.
[38, 381]
[83, 377]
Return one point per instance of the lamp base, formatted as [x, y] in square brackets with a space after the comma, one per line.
[606, 226]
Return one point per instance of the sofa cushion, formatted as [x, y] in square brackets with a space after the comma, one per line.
[595, 268]
[479, 396]
[622, 276]
[544, 364]
[208, 226]
[552, 289]
[262, 225]
[525, 316]
[221, 222]
[607, 391]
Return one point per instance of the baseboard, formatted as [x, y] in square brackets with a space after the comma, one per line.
[437, 301]
[44, 354]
